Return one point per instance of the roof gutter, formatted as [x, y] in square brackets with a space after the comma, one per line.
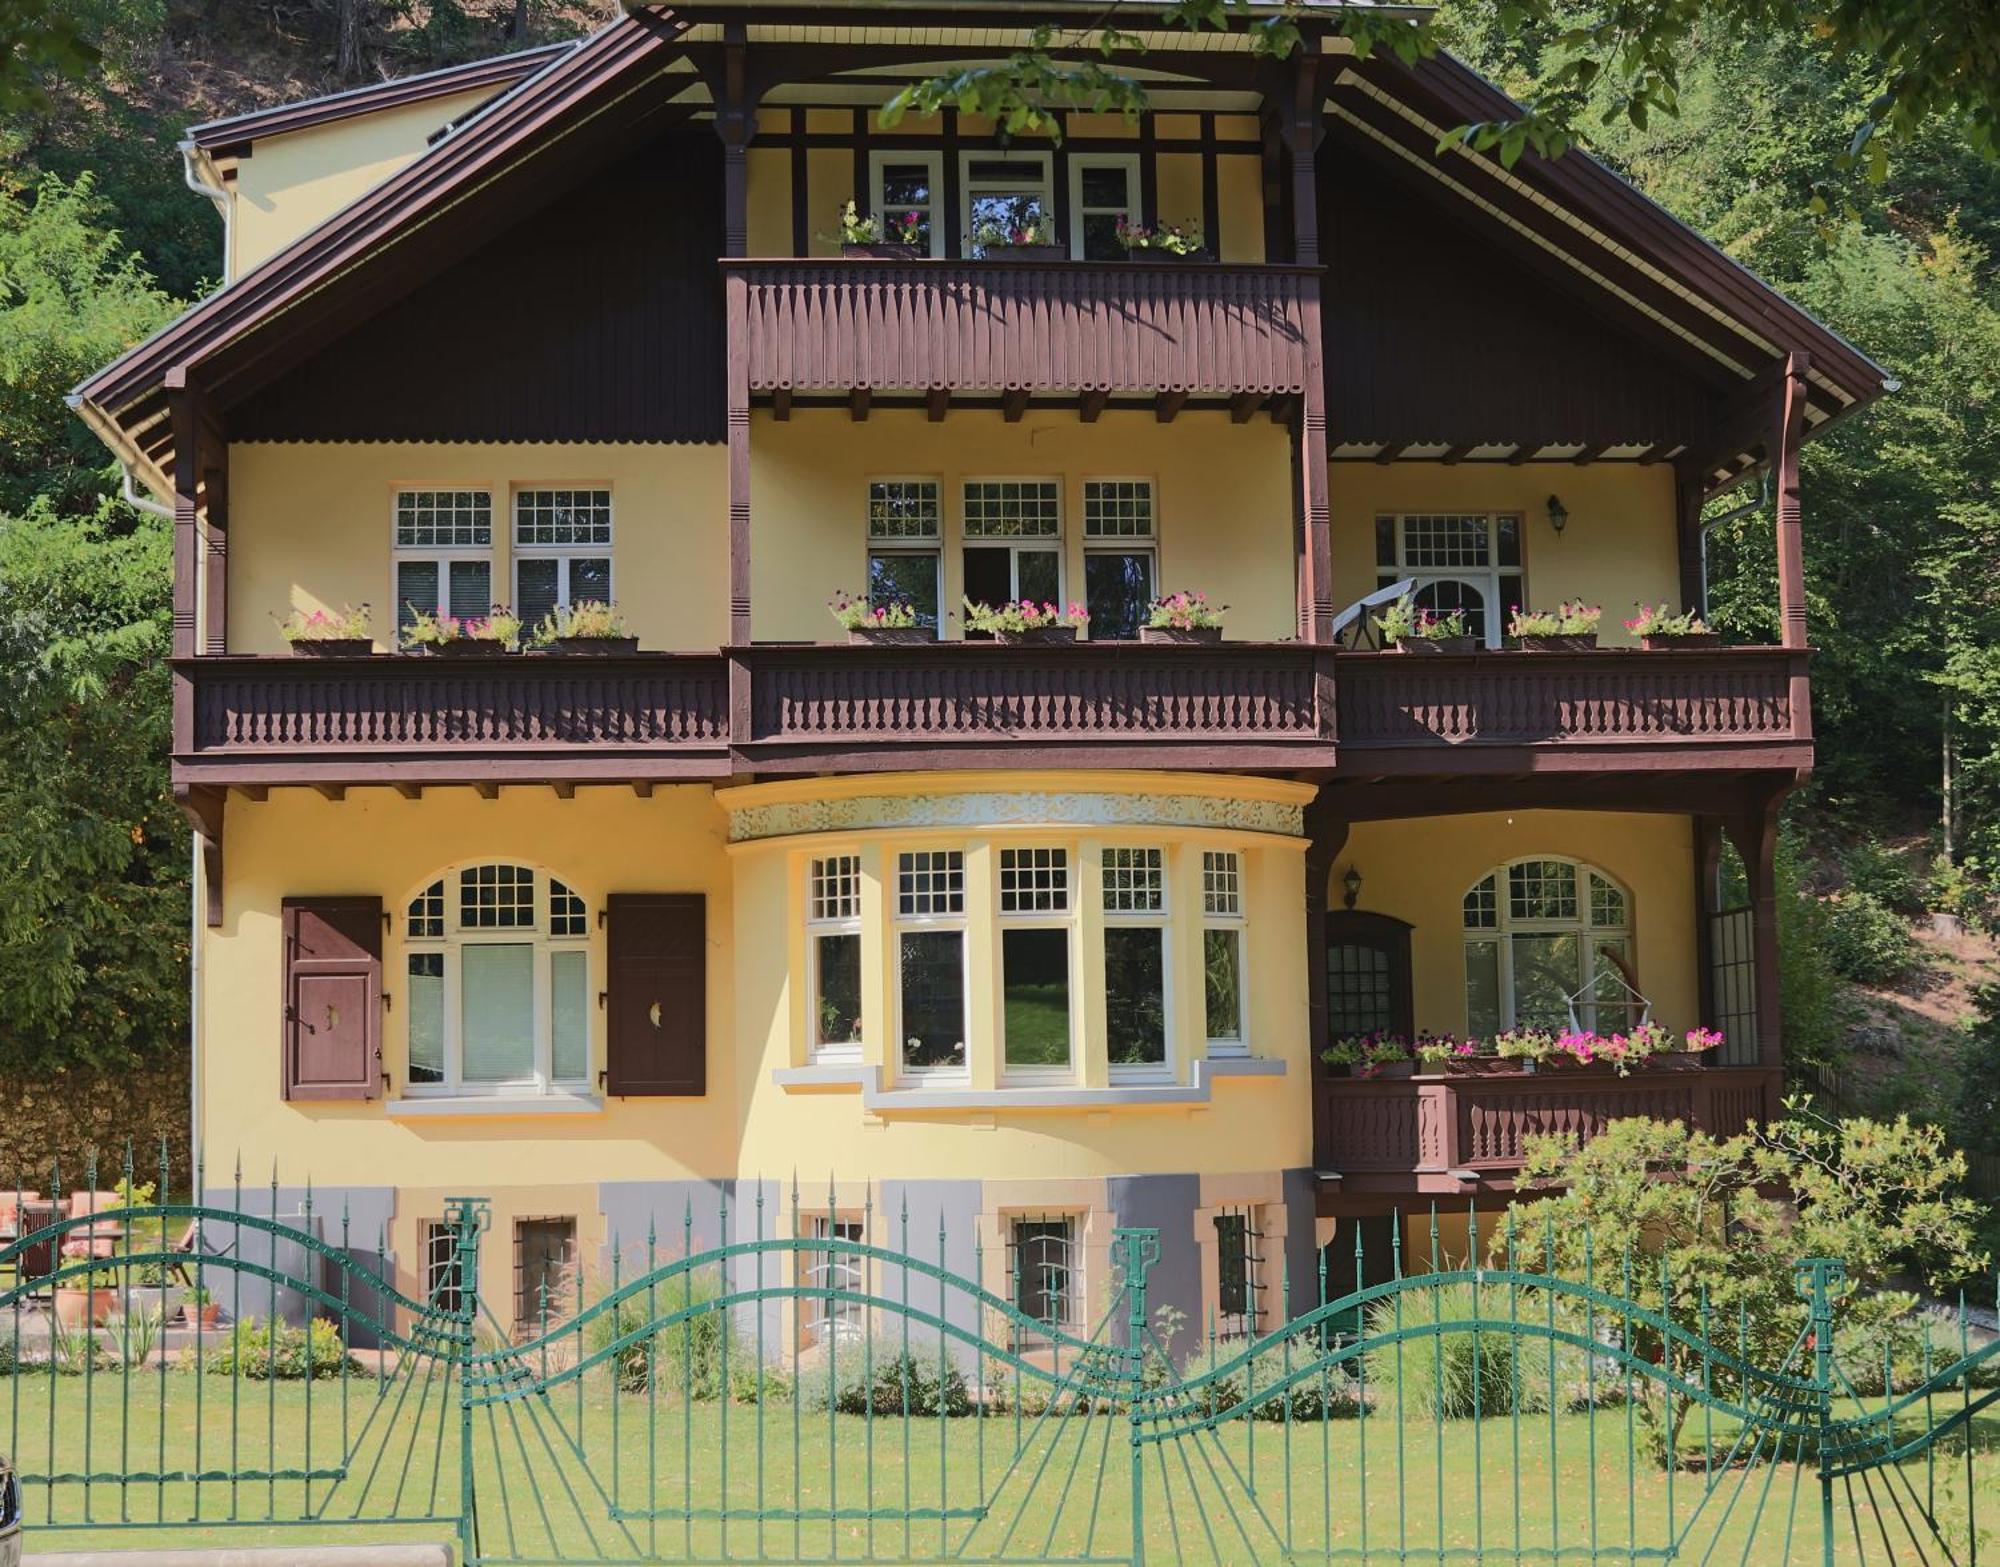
[202, 177]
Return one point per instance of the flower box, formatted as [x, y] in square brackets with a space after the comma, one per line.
[1390, 1071]
[1156, 256]
[878, 250]
[334, 647]
[1027, 252]
[1035, 635]
[1564, 642]
[601, 647]
[465, 647]
[1459, 646]
[891, 636]
[1181, 636]
[1686, 642]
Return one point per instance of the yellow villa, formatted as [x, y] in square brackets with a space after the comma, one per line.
[1025, 935]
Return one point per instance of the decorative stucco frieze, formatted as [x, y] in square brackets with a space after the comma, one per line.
[858, 813]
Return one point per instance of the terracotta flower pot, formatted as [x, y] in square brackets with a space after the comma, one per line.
[333, 647]
[1568, 642]
[1035, 635]
[602, 647]
[76, 1307]
[879, 250]
[1685, 642]
[1458, 646]
[1181, 636]
[194, 1316]
[891, 636]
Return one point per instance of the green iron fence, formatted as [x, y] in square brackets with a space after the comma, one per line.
[823, 1386]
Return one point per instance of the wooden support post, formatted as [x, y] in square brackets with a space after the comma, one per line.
[1326, 835]
[1303, 125]
[1707, 833]
[215, 569]
[736, 124]
[1788, 434]
[1755, 834]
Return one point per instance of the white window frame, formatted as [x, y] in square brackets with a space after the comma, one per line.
[966, 185]
[1232, 922]
[933, 161]
[1505, 927]
[1161, 920]
[1078, 162]
[441, 555]
[542, 1082]
[1484, 578]
[930, 547]
[817, 926]
[562, 554]
[1064, 920]
[1041, 543]
[958, 923]
[1147, 544]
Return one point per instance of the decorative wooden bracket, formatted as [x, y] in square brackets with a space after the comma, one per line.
[203, 807]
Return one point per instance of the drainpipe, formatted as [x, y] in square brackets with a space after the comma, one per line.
[130, 492]
[1763, 498]
[193, 159]
[198, 928]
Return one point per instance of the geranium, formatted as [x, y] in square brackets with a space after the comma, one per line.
[1187, 610]
[586, 619]
[1656, 620]
[1699, 1039]
[1403, 620]
[1443, 1049]
[324, 625]
[864, 614]
[1177, 239]
[1571, 618]
[1023, 615]
[1524, 1044]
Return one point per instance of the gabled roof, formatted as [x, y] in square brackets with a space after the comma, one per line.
[225, 136]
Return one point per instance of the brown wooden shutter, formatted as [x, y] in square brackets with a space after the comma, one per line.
[657, 1033]
[333, 997]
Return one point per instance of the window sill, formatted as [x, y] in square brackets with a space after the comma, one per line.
[867, 1081]
[492, 1106]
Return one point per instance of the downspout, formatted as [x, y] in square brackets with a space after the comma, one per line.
[196, 903]
[129, 492]
[192, 159]
[1763, 499]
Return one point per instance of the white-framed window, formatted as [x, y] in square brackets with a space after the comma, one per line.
[1006, 189]
[1120, 564]
[1103, 189]
[829, 1273]
[1013, 540]
[930, 962]
[833, 941]
[442, 552]
[905, 543]
[1539, 931]
[1037, 996]
[1222, 952]
[901, 182]
[1045, 1269]
[1136, 976]
[1459, 560]
[497, 959]
[562, 550]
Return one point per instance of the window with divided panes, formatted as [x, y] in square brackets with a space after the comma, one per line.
[833, 934]
[905, 538]
[1468, 561]
[1035, 944]
[1548, 941]
[1013, 540]
[1135, 961]
[443, 554]
[930, 960]
[1120, 562]
[562, 550]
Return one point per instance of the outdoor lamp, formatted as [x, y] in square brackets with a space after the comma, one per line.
[1352, 883]
[1558, 513]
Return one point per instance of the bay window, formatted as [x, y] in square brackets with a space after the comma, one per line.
[930, 945]
[1222, 951]
[1135, 962]
[1035, 961]
[498, 983]
[834, 936]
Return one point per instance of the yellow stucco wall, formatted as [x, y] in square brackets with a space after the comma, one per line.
[1419, 871]
[1222, 492]
[1617, 549]
[292, 183]
[311, 525]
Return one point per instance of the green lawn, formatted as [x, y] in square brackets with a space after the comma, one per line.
[552, 1473]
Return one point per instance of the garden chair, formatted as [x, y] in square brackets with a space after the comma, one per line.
[100, 1239]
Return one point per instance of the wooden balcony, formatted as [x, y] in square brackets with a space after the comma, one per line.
[1463, 1133]
[1620, 708]
[998, 327]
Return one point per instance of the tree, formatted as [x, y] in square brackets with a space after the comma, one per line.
[1611, 60]
[1686, 1223]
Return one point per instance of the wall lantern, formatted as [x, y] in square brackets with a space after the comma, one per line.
[1558, 513]
[1351, 885]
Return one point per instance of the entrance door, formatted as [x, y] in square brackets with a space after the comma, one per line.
[1367, 975]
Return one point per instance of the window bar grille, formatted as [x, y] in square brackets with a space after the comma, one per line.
[1239, 1253]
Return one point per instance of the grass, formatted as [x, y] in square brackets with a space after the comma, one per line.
[553, 1470]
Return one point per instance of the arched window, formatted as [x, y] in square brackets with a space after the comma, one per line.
[499, 981]
[1540, 931]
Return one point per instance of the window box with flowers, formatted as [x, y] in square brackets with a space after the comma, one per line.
[454, 636]
[1023, 621]
[898, 237]
[1185, 618]
[1409, 629]
[1570, 627]
[587, 626]
[1032, 239]
[1447, 1053]
[893, 622]
[1375, 1055]
[1659, 629]
[323, 633]
[1163, 244]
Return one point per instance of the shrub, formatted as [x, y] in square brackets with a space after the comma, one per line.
[1448, 1374]
[261, 1351]
[1953, 889]
[1883, 875]
[1327, 1391]
[1866, 940]
[886, 1379]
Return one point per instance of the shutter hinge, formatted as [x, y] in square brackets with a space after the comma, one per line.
[603, 996]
